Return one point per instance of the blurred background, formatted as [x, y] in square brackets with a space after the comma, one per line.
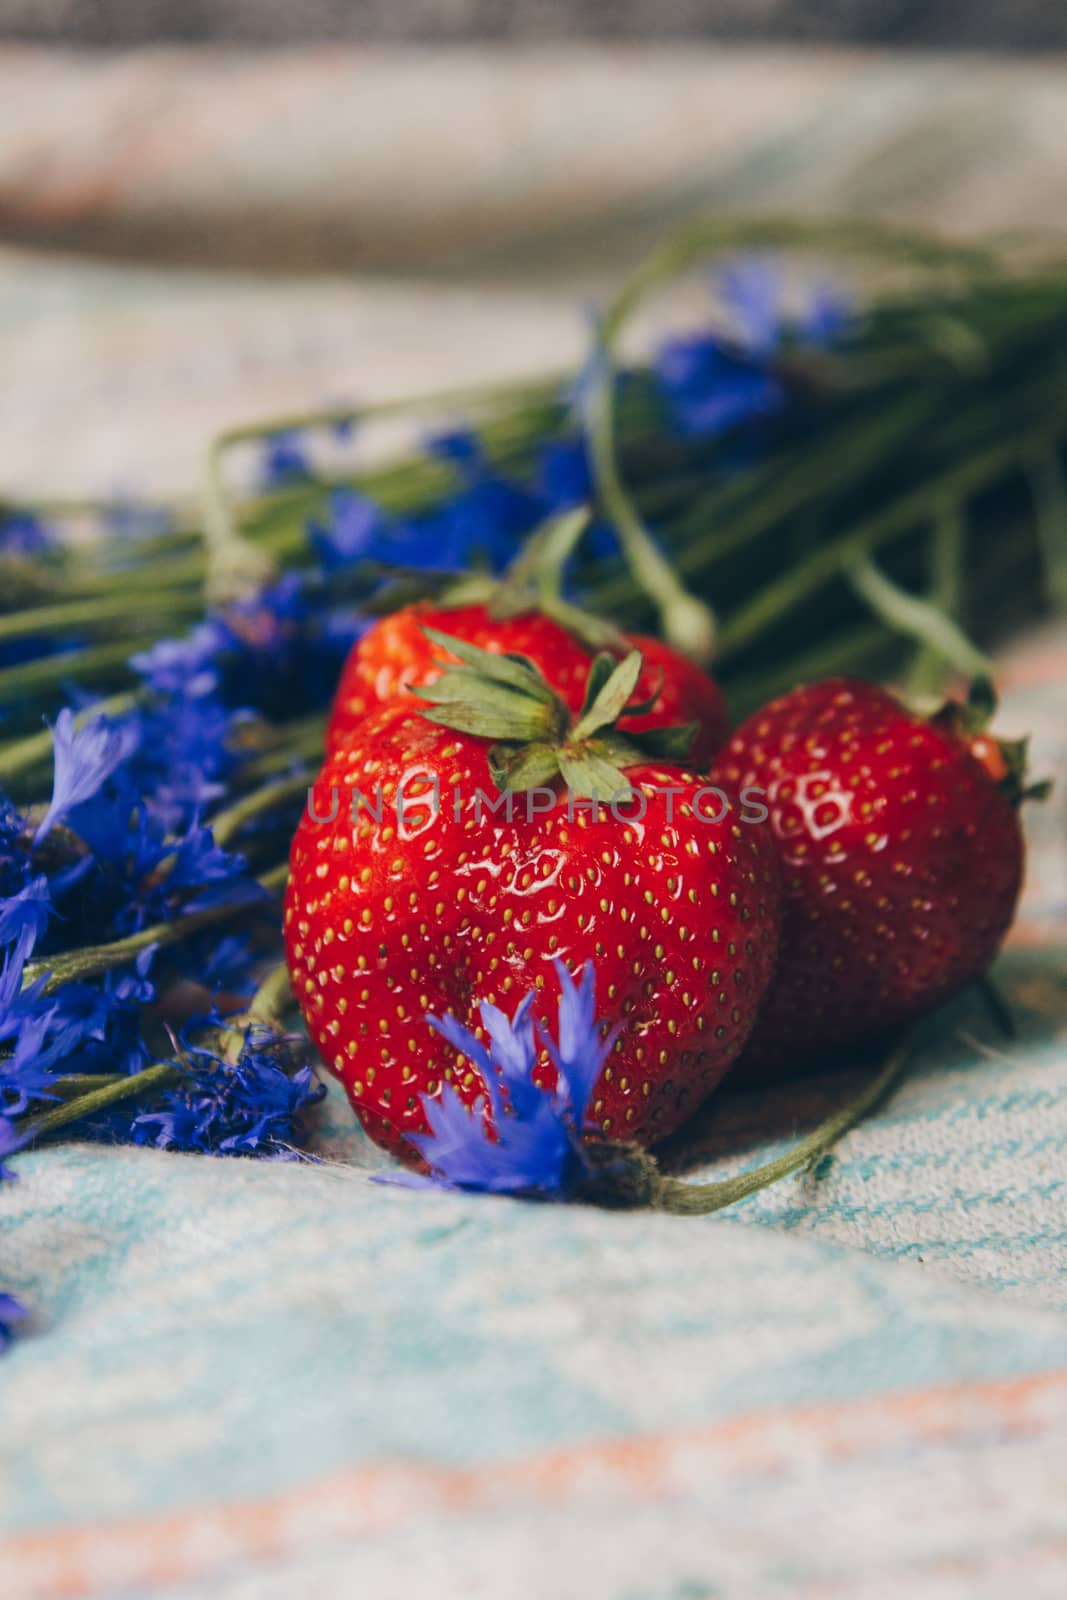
[215, 211]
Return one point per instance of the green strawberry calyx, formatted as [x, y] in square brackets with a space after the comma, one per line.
[535, 738]
[533, 582]
[1005, 760]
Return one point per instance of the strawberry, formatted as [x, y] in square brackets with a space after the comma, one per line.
[477, 874]
[900, 859]
[395, 654]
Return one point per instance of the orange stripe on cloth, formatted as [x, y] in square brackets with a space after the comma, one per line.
[369, 1501]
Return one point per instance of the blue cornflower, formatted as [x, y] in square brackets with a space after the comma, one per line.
[188, 666]
[277, 653]
[710, 389]
[226, 965]
[10, 1144]
[486, 521]
[250, 1107]
[581, 394]
[24, 535]
[84, 760]
[29, 909]
[565, 474]
[11, 1312]
[96, 1027]
[712, 383]
[186, 754]
[285, 460]
[81, 1027]
[26, 1075]
[219, 876]
[534, 1147]
[358, 530]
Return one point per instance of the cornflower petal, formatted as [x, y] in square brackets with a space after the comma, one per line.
[84, 760]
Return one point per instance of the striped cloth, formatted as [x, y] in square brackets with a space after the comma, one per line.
[252, 1382]
[257, 1382]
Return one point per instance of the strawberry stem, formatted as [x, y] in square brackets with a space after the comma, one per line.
[687, 623]
[95, 959]
[1045, 472]
[624, 1176]
[687, 1199]
[265, 1009]
[918, 618]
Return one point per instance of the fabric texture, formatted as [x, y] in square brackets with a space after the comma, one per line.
[245, 1381]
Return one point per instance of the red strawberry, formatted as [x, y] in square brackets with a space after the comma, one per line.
[900, 860]
[419, 912]
[395, 653]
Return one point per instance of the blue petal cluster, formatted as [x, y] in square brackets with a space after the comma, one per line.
[482, 524]
[285, 460]
[124, 845]
[24, 535]
[12, 1311]
[248, 1107]
[519, 1139]
[713, 382]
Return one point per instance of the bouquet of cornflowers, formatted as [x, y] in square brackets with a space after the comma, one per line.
[800, 488]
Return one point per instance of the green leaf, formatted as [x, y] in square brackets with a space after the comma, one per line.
[981, 704]
[587, 774]
[601, 668]
[515, 671]
[669, 744]
[474, 588]
[489, 720]
[596, 633]
[522, 767]
[908, 614]
[611, 697]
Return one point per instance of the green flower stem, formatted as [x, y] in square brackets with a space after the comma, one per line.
[229, 822]
[723, 521]
[299, 740]
[265, 1007]
[235, 568]
[1045, 472]
[60, 508]
[893, 521]
[138, 1084]
[945, 595]
[22, 755]
[83, 1082]
[687, 623]
[93, 960]
[813, 471]
[868, 647]
[688, 1199]
[81, 614]
[709, 237]
[102, 661]
[175, 575]
[918, 618]
[232, 557]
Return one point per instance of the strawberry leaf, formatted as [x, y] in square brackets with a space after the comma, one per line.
[514, 671]
[610, 698]
[518, 767]
[590, 775]
[670, 744]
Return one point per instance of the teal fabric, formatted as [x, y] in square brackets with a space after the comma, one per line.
[251, 1379]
